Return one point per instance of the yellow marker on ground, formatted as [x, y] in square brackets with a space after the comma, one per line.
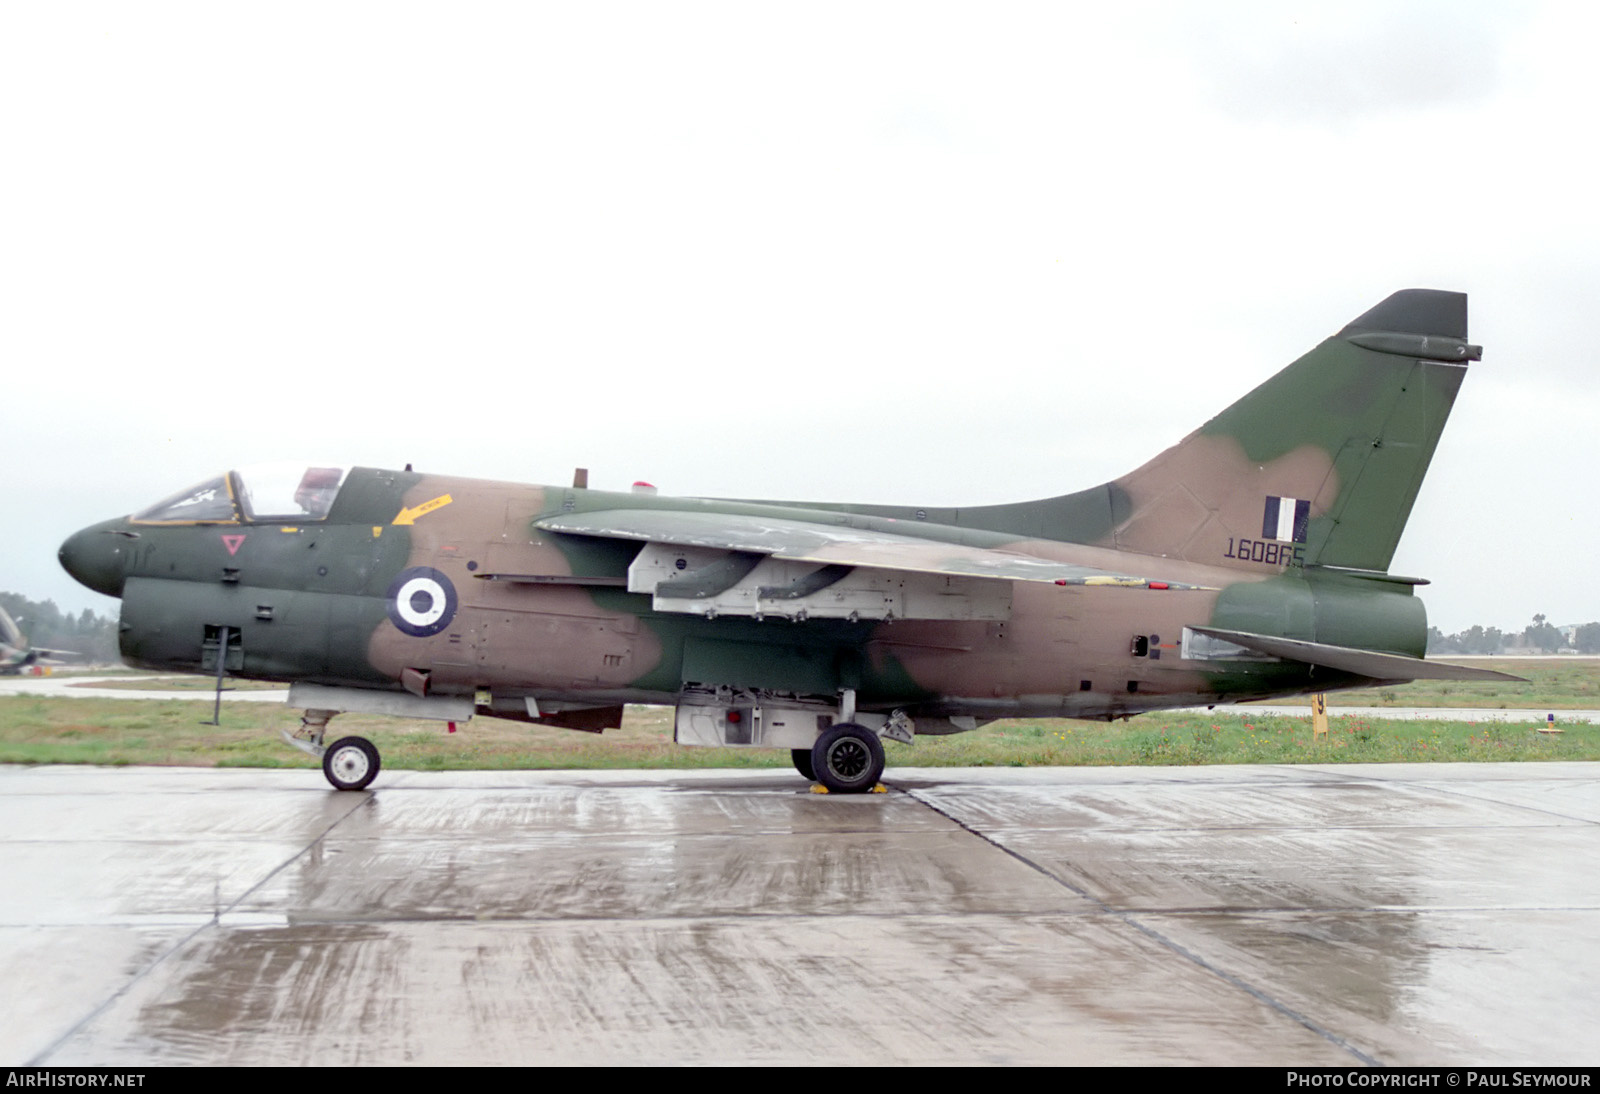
[1319, 714]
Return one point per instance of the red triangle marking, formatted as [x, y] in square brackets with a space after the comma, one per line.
[232, 543]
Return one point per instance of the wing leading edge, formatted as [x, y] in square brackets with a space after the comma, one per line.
[802, 541]
[722, 563]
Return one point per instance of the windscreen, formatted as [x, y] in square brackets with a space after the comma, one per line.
[209, 502]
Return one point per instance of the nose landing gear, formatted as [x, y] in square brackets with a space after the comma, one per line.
[350, 763]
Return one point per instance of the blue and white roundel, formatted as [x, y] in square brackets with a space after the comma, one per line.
[422, 602]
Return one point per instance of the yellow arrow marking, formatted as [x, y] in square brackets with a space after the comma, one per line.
[409, 516]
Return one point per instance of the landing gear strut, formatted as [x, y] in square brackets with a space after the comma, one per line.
[350, 763]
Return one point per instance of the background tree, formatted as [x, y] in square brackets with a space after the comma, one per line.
[1542, 636]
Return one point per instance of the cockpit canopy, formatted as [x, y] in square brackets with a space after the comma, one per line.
[275, 492]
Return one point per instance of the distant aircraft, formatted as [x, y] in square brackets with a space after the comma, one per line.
[1248, 561]
[16, 654]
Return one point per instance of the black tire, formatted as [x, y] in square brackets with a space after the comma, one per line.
[351, 763]
[802, 763]
[847, 759]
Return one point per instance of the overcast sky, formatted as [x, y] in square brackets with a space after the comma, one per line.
[919, 253]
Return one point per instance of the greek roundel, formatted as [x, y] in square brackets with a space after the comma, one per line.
[422, 601]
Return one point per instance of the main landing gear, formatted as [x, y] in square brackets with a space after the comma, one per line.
[350, 763]
[847, 759]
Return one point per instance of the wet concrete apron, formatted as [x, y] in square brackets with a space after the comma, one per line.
[1393, 914]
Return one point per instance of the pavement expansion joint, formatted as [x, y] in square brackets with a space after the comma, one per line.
[1169, 944]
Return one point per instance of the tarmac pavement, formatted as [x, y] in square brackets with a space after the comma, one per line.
[1334, 915]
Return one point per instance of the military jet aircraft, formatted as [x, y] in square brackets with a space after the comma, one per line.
[16, 654]
[1248, 561]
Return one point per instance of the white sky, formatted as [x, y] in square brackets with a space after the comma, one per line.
[920, 253]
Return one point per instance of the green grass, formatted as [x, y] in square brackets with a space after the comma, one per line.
[1240, 737]
[169, 732]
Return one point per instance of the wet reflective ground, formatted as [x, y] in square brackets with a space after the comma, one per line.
[1400, 914]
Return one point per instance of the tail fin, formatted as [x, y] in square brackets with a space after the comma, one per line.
[1320, 465]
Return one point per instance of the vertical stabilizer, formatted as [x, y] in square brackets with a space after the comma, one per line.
[1321, 464]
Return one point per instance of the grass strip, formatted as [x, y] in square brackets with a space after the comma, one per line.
[37, 730]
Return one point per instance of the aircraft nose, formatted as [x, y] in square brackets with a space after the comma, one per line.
[97, 556]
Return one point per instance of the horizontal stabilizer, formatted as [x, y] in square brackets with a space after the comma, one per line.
[1378, 666]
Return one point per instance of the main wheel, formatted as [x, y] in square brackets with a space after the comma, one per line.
[350, 763]
[802, 763]
[847, 759]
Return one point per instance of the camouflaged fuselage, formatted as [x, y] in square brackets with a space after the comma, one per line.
[1274, 522]
[544, 614]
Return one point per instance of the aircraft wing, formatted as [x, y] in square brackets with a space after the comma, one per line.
[801, 541]
[1378, 666]
[711, 563]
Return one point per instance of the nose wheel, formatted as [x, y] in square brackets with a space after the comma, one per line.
[350, 763]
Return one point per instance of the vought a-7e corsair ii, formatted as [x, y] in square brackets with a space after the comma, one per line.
[1248, 561]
